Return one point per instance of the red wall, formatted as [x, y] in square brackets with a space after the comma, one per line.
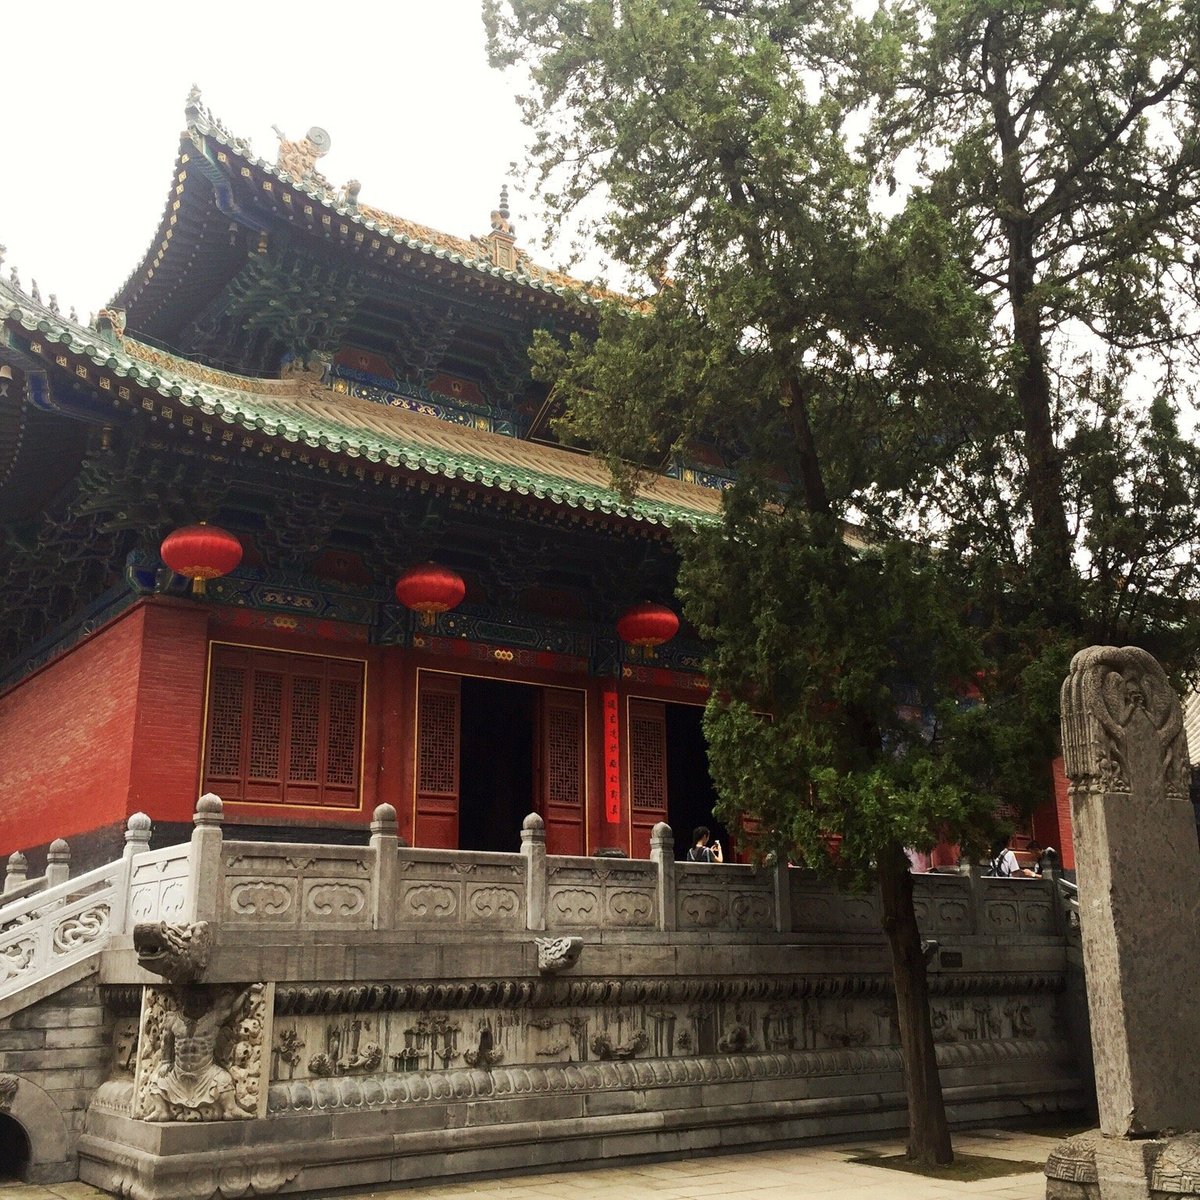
[66, 739]
[110, 728]
[1052, 822]
[164, 777]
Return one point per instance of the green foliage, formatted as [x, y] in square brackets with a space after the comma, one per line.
[982, 371]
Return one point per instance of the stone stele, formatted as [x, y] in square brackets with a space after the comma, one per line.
[1139, 896]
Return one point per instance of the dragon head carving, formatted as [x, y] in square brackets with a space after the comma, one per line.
[178, 953]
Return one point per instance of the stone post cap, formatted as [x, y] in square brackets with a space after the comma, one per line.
[533, 829]
[209, 810]
[59, 851]
[137, 828]
[661, 835]
[383, 821]
[18, 864]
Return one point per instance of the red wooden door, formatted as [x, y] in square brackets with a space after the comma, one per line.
[647, 741]
[439, 708]
[561, 770]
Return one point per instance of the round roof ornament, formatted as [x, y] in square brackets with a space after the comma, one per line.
[319, 138]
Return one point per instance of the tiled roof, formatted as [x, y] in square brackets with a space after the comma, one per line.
[463, 252]
[303, 413]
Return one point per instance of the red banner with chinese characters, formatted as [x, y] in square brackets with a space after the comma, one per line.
[612, 759]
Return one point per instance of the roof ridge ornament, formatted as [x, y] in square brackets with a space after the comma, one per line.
[502, 240]
[299, 158]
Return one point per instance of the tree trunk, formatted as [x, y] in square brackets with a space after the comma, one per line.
[928, 1133]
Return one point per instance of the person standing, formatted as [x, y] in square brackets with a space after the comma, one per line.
[701, 851]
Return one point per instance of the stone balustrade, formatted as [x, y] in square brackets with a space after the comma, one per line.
[387, 885]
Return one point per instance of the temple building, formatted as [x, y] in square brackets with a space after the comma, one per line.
[343, 400]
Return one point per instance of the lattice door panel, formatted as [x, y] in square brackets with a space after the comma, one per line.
[647, 740]
[563, 770]
[439, 708]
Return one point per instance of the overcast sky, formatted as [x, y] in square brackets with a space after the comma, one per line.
[93, 100]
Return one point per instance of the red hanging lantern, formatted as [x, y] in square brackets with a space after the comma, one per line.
[201, 552]
[429, 589]
[647, 625]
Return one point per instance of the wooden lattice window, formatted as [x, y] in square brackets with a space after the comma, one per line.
[564, 743]
[283, 728]
[437, 744]
[647, 756]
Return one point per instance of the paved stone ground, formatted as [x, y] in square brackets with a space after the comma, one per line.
[823, 1172]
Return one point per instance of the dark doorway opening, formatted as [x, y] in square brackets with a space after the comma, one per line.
[14, 1150]
[691, 796]
[495, 763]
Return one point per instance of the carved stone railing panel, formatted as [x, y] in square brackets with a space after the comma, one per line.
[310, 886]
[449, 888]
[1018, 906]
[724, 898]
[817, 904]
[159, 885]
[600, 893]
[61, 925]
[944, 904]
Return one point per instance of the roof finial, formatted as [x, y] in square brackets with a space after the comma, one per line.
[3, 252]
[15, 279]
[192, 108]
[35, 293]
[500, 221]
[54, 304]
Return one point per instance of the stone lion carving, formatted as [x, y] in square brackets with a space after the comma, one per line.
[179, 953]
[557, 954]
[8, 1091]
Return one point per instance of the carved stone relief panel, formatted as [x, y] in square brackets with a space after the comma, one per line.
[461, 893]
[200, 1053]
[298, 888]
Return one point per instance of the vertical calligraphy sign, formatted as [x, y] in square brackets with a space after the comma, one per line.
[612, 759]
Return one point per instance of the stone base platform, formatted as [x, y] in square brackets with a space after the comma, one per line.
[1094, 1167]
[384, 1129]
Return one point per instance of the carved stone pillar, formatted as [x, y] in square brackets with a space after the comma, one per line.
[533, 847]
[204, 875]
[662, 852]
[1139, 887]
[384, 842]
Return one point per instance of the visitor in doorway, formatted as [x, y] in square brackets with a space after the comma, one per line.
[1004, 862]
[701, 851]
[1034, 850]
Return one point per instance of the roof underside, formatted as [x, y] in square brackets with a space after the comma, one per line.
[304, 419]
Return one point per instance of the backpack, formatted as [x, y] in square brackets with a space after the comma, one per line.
[700, 854]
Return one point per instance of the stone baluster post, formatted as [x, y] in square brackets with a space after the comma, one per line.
[58, 863]
[204, 861]
[1126, 756]
[783, 893]
[384, 842]
[533, 847]
[662, 854]
[137, 839]
[137, 834]
[17, 872]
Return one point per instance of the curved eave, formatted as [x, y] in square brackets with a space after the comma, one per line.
[205, 151]
[338, 432]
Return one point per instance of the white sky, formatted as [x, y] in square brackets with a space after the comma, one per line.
[93, 100]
